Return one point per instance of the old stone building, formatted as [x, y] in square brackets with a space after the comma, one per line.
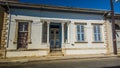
[41, 30]
[4, 11]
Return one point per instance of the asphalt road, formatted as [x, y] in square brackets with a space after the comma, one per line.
[71, 63]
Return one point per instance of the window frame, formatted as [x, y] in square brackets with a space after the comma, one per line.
[98, 32]
[83, 32]
[29, 41]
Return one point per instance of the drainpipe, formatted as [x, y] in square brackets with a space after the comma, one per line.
[113, 27]
[8, 30]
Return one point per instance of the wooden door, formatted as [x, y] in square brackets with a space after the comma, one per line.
[55, 38]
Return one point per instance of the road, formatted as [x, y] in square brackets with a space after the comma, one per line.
[71, 63]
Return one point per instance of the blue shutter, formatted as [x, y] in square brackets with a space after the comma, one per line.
[97, 33]
[80, 32]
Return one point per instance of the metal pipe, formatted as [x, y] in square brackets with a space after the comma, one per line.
[8, 30]
[113, 27]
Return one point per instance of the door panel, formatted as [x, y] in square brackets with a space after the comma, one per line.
[54, 38]
[51, 38]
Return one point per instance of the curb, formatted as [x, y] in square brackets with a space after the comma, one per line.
[25, 60]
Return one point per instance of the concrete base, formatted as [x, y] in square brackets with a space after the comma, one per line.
[26, 53]
[48, 58]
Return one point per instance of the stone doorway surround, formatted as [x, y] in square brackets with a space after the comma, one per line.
[62, 22]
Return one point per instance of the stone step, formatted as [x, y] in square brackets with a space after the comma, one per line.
[1, 54]
[56, 53]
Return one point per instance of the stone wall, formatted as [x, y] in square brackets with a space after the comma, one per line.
[1, 23]
[3, 33]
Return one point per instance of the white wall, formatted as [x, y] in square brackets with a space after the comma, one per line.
[36, 30]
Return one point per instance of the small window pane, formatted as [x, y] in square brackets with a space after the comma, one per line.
[20, 27]
[78, 28]
[23, 26]
[26, 27]
[82, 37]
[78, 37]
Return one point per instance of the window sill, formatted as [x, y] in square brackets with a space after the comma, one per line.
[81, 42]
[97, 42]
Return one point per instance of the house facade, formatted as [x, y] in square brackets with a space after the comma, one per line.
[41, 30]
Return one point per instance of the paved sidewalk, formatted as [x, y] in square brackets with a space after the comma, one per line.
[50, 58]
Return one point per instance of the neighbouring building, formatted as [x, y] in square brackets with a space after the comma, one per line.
[41, 30]
[3, 33]
[117, 27]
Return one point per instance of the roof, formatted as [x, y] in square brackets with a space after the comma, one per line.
[116, 16]
[48, 7]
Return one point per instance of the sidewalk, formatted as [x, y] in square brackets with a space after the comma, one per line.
[51, 58]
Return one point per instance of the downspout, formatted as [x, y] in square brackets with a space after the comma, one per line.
[113, 27]
[9, 22]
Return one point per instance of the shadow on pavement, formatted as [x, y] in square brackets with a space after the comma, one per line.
[112, 67]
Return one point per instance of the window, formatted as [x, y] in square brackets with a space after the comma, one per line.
[97, 33]
[22, 35]
[65, 32]
[44, 32]
[80, 33]
[117, 27]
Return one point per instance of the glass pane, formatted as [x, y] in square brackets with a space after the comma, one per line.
[78, 37]
[82, 28]
[94, 29]
[78, 28]
[99, 37]
[95, 37]
[82, 37]
[25, 26]
[98, 29]
[20, 27]
[57, 32]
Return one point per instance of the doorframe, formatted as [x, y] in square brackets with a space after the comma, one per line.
[60, 27]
